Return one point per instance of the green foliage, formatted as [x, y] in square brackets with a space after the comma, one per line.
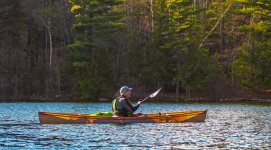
[142, 43]
[212, 19]
[160, 63]
[186, 32]
[94, 77]
[134, 57]
[244, 28]
[90, 53]
[262, 27]
[195, 72]
[253, 66]
[254, 8]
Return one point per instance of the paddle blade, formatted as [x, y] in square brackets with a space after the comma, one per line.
[155, 93]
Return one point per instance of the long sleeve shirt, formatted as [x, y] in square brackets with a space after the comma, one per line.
[124, 107]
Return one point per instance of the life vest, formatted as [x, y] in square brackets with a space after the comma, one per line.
[115, 106]
[120, 112]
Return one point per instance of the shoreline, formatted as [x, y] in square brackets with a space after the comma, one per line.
[224, 100]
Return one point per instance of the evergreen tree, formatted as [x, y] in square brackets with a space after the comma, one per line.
[90, 57]
[252, 67]
[194, 65]
[159, 63]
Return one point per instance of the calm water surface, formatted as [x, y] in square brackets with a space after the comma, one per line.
[227, 126]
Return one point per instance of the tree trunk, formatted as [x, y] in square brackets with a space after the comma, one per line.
[51, 46]
[222, 41]
[188, 91]
[250, 42]
[221, 28]
[58, 82]
[49, 82]
[152, 15]
[177, 91]
[178, 79]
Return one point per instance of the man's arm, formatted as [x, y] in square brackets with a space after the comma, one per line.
[129, 107]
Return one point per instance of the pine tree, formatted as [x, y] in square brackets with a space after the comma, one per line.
[193, 63]
[252, 67]
[90, 53]
[159, 62]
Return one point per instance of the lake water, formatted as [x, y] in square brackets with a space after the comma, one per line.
[227, 126]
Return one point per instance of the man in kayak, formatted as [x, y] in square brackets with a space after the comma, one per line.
[121, 106]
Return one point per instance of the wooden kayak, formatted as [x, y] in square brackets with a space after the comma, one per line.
[171, 117]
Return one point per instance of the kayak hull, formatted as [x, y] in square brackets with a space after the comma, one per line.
[172, 117]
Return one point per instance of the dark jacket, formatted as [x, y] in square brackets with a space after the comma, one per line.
[121, 106]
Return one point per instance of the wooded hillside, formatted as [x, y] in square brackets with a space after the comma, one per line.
[87, 49]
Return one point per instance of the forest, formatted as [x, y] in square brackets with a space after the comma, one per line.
[88, 49]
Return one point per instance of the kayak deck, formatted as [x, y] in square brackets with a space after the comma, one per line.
[171, 117]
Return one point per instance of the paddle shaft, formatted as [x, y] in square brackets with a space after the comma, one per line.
[145, 99]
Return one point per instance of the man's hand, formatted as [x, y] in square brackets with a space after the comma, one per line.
[139, 102]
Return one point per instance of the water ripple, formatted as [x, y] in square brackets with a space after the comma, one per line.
[228, 126]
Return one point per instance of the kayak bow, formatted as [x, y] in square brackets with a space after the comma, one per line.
[172, 117]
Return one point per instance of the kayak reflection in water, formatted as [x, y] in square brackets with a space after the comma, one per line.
[121, 106]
